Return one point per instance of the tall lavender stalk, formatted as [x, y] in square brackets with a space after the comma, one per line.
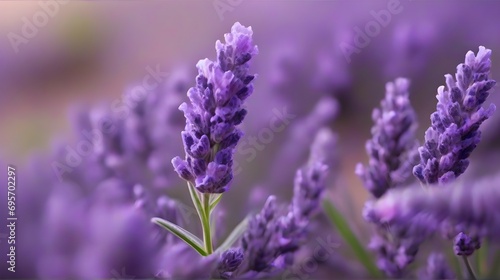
[214, 111]
[274, 235]
[454, 132]
[392, 151]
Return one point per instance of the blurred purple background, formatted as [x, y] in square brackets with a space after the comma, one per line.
[89, 53]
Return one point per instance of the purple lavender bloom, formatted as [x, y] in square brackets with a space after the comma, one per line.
[436, 268]
[229, 261]
[259, 241]
[308, 188]
[274, 235]
[472, 206]
[454, 132]
[395, 245]
[214, 112]
[387, 254]
[87, 241]
[465, 245]
[392, 150]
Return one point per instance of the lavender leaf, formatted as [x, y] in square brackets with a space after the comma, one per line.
[350, 238]
[183, 234]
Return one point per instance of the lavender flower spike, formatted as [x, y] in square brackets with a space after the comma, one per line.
[260, 242]
[456, 206]
[454, 131]
[392, 150]
[273, 236]
[214, 112]
[229, 261]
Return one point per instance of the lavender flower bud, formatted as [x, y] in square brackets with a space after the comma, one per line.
[437, 268]
[214, 111]
[392, 149]
[229, 262]
[466, 245]
[309, 185]
[454, 131]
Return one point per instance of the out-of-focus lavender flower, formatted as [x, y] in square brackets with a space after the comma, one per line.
[436, 268]
[457, 205]
[259, 241]
[115, 240]
[392, 150]
[88, 238]
[386, 255]
[410, 48]
[132, 139]
[99, 190]
[274, 235]
[229, 261]
[313, 64]
[325, 149]
[308, 188]
[299, 140]
[163, 207]
[465, 245]
[395, 247]
[215, 110]
[454, 132]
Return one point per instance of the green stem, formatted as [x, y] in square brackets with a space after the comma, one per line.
[196, 201]
[469, 268]
[207, 233]
[455, 262]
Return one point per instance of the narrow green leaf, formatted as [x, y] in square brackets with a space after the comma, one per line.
[214, 200]
[234, 235]
[183, 234]
[196, 201]
[213, 225]
[350, 238]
